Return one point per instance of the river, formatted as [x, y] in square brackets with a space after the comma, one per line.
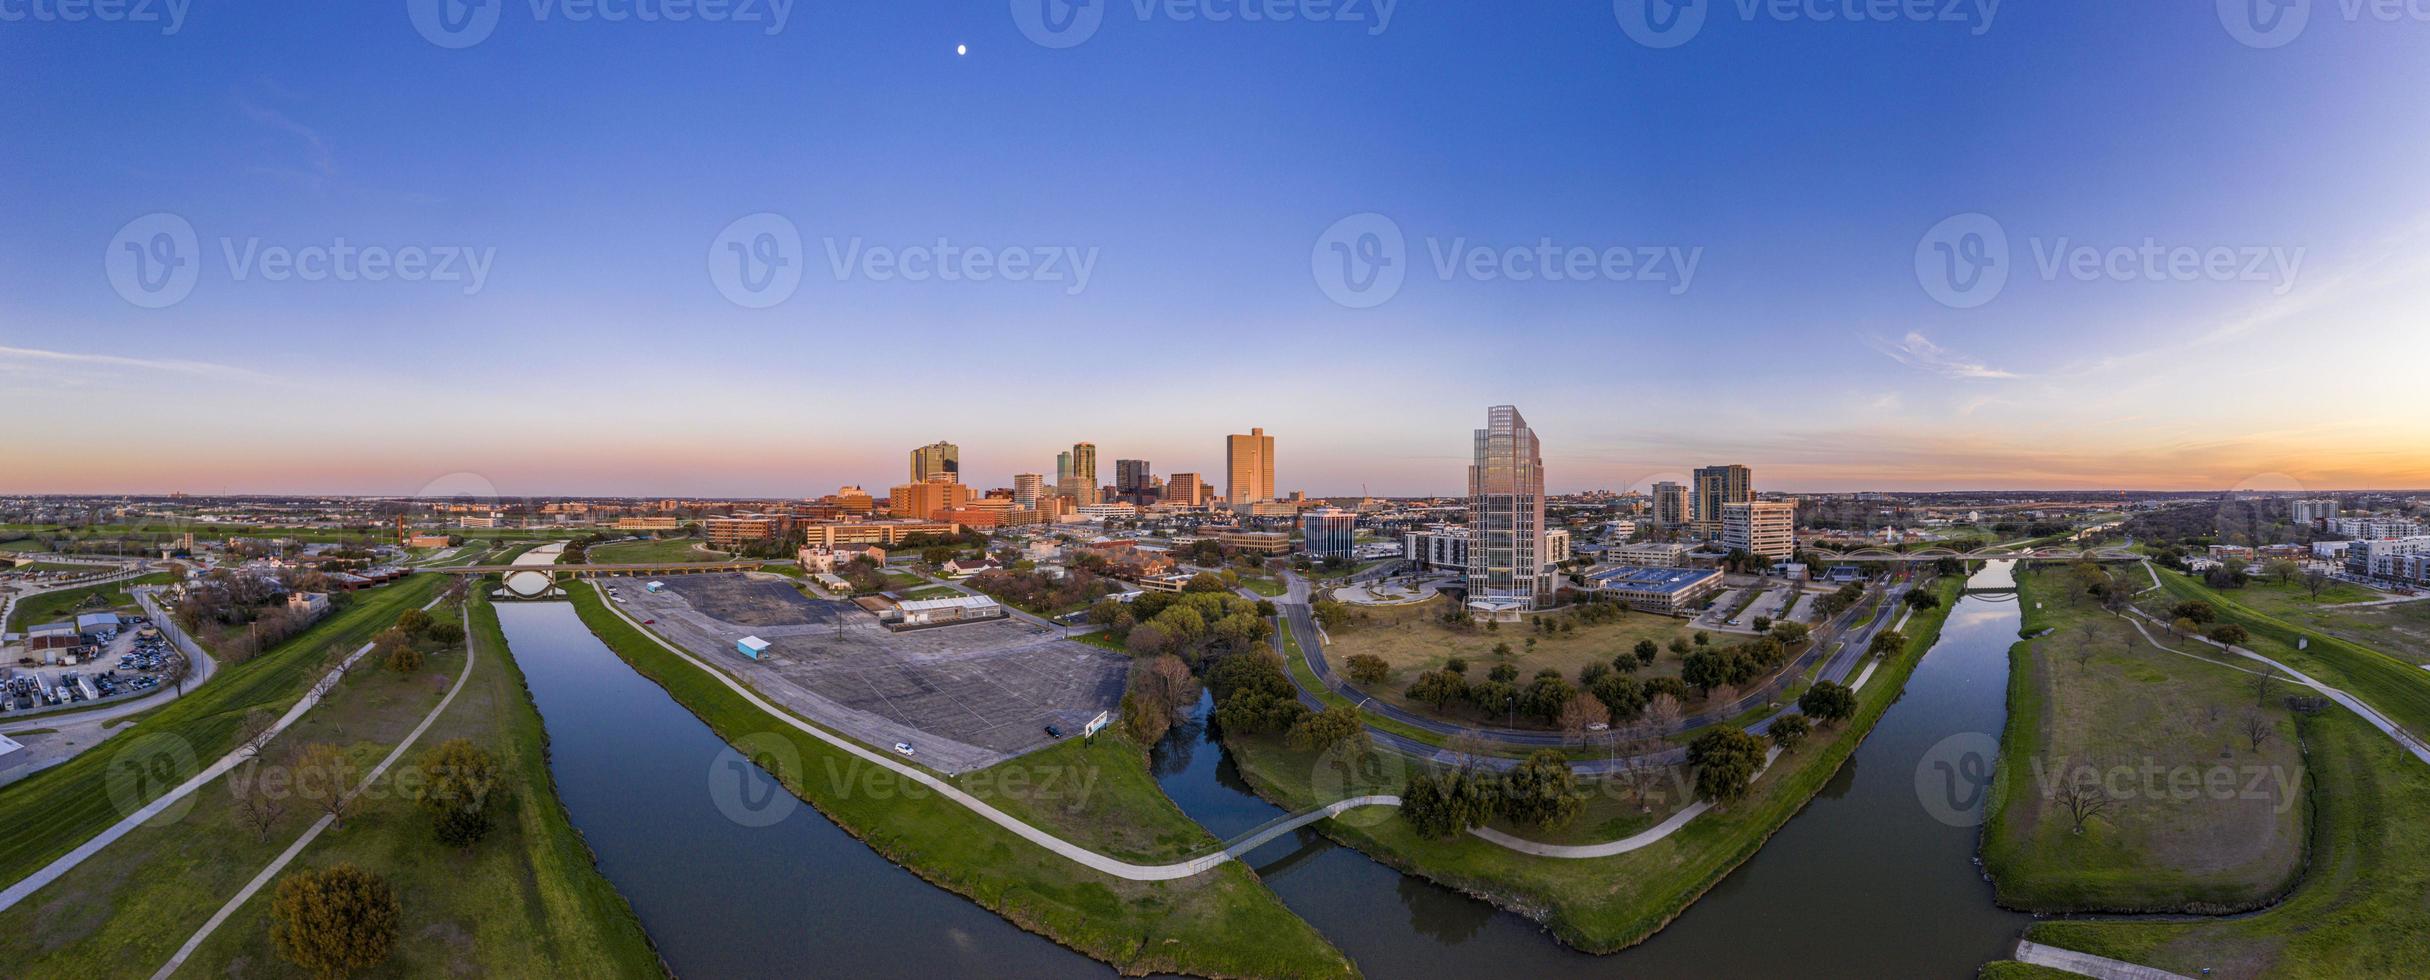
[1866, 881]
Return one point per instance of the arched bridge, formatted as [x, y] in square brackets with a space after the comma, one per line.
[595, 571]
[1986, 553]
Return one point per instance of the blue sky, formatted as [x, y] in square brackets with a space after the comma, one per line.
[1197, 164]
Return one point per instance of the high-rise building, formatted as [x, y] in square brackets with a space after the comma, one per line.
[1507, 570]
[1185, 489]
[1763, 528]
[1329, 532]
[927, 498]
[1084, 462]
[936, 461]
[1132, 479]
[1248, 468]
[1717, 486]
[1063, 467]
[1077, 473]
[1670, 505]
[1027, 487]
[2312, 511]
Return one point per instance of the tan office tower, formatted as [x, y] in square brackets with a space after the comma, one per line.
[936, 461]
[1027, 487]
[1248, 468]
[1717, 486]
[1670, 505]
[1185, 489]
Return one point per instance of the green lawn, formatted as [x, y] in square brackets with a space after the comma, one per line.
[1223, 923]
[66, 603]
[640, 552]
[2095, 693]
[52, 811]
[2399, 689]
[1604, 904]
[2399, 629]
[1268, 587]
[933, 592]
[525, 901]
[2363, 909]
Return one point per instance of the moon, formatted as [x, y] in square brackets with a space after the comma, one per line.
[961, 49]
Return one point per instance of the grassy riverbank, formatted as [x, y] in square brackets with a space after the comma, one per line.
[2096, 693]
[2363, 908]
[524, 901]
[1605, 904]
[49, 813]
[1222, 923]
[2400, 690]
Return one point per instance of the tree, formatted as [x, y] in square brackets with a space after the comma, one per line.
[1887, 643]
[1367, 668]
[1623, 698]
[1334, 726]
[1788, 730]
[1583, 713]
[1790, 634]
[2082, 797]
[1725, 760]
[2230, 634]
[1919, 600]
[459, 790]
[2088, 635]
[1828, 701]
[324, 778]
[1505, 673]
[1679, 645]
[253, 734]
[2282, 570]
[2315, 582]
[335, 921]
[2185, 627]
[1706, 669]
[414, 621]
[1542, 791]
[1763, 623]
[395, 649]
[1662, 712]
[1440, 688]
[256, 808]
[2258, 728]
[2194, 609]
[1441, 805]
[445, 632]
[1646, 653]
[2261, 685]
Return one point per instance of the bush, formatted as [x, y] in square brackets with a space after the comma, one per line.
[2230, 633]
[334, 921]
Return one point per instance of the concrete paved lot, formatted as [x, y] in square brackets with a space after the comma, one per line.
[965, 696]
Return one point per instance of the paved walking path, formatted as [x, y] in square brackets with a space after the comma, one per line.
[2404, 738]
[34, 882]
[288, 855]
[2086, 964]
[1624, 845]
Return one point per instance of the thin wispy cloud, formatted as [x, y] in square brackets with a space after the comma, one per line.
[318, 157]
[36, 357]
[1919, 352]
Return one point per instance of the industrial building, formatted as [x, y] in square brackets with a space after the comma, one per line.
[1670, 591]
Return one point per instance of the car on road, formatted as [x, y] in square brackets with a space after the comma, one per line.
[649, 622]
[903, 747]
[1053, 732]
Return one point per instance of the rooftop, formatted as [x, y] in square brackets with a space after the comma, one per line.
[1648, 579]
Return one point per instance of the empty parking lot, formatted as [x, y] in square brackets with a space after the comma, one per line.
[965, 696]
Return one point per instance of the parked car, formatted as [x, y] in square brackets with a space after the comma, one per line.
[903, 747]
[1053, 732]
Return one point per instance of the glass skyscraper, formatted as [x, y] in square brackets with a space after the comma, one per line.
[1506, 569]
